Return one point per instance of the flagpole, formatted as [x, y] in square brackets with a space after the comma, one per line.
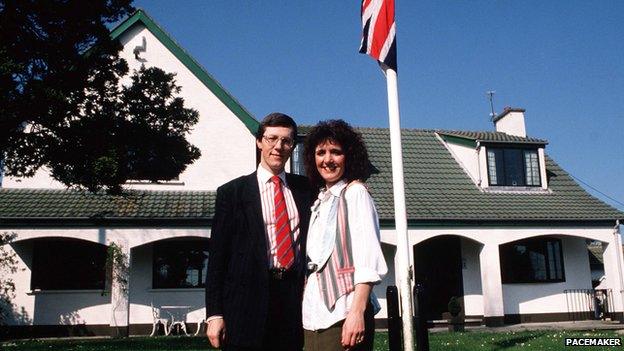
[402, 267]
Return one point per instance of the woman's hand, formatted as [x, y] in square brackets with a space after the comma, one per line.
[353, 329]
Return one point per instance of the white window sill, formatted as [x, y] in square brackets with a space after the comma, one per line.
[53, 292]
[517, 190]
[147, 182]
[176, 290]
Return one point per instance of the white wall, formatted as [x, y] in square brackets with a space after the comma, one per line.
[389, 279]
[71, 308]
[227, 146]
[542, 167]
[468, 158]
[471, 274]
[24, 304]
[612, 258]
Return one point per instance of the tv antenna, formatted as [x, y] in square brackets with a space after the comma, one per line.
[490, 95]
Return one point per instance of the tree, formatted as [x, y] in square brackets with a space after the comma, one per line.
[133, 132]
[62, 105]
[8, 267]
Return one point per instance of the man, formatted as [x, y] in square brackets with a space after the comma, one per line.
[254, 284]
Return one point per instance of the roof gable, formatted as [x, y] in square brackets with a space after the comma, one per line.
[491, 137]
[139, 16]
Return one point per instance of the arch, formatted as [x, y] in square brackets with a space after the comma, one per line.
[435, 257]
[461, 235]
[90, 236]
[130, 237]
[152, 241]
[557, 234]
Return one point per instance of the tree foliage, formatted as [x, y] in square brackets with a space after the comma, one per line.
[134, 132]
[8, 267]
[62, 105]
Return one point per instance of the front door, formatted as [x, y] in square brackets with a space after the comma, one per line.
[438, 267]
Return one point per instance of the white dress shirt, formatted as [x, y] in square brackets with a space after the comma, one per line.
[267, 198]
[369, 263]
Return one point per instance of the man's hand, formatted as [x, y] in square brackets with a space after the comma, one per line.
[216, 332]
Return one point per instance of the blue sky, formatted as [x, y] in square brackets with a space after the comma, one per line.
[562, 61]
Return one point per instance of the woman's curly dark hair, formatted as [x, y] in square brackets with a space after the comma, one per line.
[357, 165]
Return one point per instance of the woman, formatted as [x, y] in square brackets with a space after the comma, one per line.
[345, 258]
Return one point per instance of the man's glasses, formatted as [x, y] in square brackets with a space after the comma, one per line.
[272, 140]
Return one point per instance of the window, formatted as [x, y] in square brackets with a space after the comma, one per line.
[180, 264]
[297, 162]
[513, 167]
[145, 180]
[532, 261]
[68, 264]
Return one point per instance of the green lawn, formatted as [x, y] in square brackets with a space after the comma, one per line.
[535, 340]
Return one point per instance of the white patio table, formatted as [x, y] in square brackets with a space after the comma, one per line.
[178, 317]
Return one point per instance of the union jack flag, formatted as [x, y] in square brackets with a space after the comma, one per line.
[378, 31]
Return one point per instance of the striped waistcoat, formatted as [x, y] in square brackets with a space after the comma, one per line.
[335, 279]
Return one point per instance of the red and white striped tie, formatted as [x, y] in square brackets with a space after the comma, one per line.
[285, 253]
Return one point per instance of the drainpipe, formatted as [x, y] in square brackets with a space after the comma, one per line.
[478, 161]
[618, 253]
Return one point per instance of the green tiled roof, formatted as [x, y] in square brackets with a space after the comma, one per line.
[438, 189]
[491, 137]
[42, 204]
[595, 255]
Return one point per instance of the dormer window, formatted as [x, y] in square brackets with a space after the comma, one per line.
[500, 162]
[513, 167]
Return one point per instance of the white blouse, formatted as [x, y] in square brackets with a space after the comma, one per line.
[368, 260]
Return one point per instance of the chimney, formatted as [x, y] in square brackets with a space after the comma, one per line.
[511, 121]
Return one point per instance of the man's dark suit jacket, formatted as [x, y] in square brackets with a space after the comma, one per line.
[237, 282]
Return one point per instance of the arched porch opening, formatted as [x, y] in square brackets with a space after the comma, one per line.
[548, 277]
[440, 266]
[62, 283]
[167, 276]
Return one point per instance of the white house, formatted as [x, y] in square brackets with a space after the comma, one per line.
[491, 219]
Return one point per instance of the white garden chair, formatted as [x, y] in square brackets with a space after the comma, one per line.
[157, 319]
